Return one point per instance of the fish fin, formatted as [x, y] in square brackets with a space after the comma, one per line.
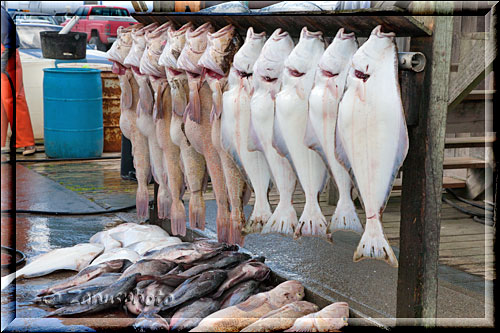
[178, 102]
[7, 280]
[312, 142]
[247, 194]
[374, 244]
[254, 143]
[147, 99]
[216, 102]
[158, 109]
[251, 304]
[193, 108]
[126, 95]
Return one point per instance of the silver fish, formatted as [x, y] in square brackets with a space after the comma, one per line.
[248, 270]
[290, 128]
[328, 89]
[267, 83]
[239, 293]
[371, 136]
[149, 267]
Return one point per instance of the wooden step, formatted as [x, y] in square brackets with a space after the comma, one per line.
[448, 182]
[469, 142]
[463, 162]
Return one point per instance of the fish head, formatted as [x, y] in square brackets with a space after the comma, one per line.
[120, 49]
[288, 292]
[334, 64]
[260, 270]
[245, 59]
[336, 310]
[173, 48]
[268, 69]
[377, 57]
[219, 54]
[154, 46]
[300, 65]
[304, 307]
[196, 43]
[138, 45]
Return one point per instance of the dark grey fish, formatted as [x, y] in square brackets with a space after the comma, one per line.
[187, 253]
[195, 287]
[149, 267]
[239, 293]
[112, 296]
[248, 270]
[87, 274]
[69, 297]
[149, 298]
[190, 315]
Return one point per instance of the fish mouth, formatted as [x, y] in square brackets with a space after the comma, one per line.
[378, 32]
[279, 34]
[200, 30]
[182, 30]
[344, 36]
[118, 68]
[136, 70]
[311, 34]
[226, 30]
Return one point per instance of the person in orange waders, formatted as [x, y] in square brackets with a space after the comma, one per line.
[12, 79]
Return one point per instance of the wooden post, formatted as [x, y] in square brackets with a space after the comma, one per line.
[422, 179]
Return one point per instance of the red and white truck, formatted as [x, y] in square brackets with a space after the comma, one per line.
[101, 23]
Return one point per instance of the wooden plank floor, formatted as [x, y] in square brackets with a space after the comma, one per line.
[465, 244]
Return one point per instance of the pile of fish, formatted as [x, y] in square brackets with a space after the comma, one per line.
[202, 285]
[252, 112]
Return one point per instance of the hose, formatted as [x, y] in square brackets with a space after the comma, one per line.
[10, 250]
[465, 210]
[472, 203]
[99, 212]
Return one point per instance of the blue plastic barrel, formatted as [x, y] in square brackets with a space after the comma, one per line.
[72, 112]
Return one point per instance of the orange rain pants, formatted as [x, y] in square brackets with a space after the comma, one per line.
[24, 131]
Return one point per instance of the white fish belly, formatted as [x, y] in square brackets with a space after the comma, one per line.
[291, 115]
[370, 135]
[262, 116]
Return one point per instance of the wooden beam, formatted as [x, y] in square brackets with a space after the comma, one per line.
[422, 180]
[477, 53]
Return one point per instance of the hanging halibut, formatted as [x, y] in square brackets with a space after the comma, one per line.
[235, 124]
[197, 126]
[145, 121]
[290, 128]
[320, 136]
[267, 83]
[162, 115]
[128, 104]
[192, 162]
[216, 62]
[371, 135]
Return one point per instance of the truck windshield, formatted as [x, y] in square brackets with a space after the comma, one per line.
[103, 11]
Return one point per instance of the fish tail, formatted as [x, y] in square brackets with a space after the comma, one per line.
[345, 218]
[164, 203]
[142, 202]
[197, 210]
[235, 229]
[178, 218]
[312, 222]
[374, 244]
[284, 220]
[7, 280]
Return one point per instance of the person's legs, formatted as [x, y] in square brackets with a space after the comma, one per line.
[24, 131]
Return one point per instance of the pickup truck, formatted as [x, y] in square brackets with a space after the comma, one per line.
[101, 23]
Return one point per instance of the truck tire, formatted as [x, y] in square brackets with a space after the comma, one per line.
[95, 40]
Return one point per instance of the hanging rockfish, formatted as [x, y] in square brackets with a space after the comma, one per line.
[216, 62]
[197, 127]
[192, 162]
[145, 121]
[267, 83]
[128, 104]
[292, 104]
[162, 115]
[320, 135]
[371, 136]
[235, 124]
